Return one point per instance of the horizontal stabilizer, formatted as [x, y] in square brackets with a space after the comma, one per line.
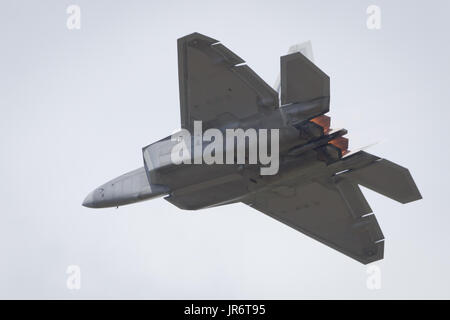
[387, 178]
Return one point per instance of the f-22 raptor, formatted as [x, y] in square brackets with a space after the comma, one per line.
[316, 189]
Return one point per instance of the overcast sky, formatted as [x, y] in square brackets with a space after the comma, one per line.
[77, 106]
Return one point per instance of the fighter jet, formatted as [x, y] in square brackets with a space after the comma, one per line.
[316, 187]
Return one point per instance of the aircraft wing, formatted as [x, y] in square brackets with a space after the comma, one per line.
[214, 83]
[323, 213]
[333, 210]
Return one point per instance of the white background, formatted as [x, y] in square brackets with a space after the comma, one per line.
[77, 107]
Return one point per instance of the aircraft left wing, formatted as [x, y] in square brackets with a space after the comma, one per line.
[214, 83]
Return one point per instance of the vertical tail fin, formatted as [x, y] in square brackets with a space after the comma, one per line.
[304, 48]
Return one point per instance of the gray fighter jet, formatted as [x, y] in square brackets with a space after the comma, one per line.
[316, 190]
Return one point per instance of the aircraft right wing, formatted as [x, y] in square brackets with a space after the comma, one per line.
[324, 212]
[332, 208]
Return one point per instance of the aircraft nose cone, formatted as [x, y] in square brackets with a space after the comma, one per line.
[89, 200]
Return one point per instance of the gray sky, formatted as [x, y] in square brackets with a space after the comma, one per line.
[77, 106]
